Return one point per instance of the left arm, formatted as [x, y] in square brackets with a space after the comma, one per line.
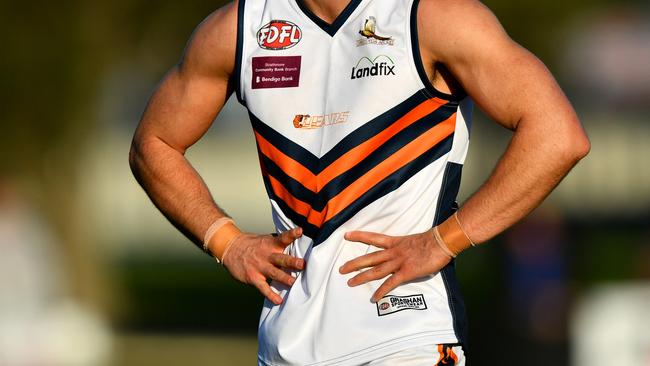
[517, 91]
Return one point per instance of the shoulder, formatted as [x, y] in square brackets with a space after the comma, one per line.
[449, 26]
[212, 46]
[450, 14]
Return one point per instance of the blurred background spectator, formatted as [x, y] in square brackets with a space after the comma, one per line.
[40, 324]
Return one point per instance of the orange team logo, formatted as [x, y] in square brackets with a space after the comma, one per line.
[307, 121]
[297, 120]
[369, 29]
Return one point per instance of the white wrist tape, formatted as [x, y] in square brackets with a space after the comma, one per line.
[218, 224]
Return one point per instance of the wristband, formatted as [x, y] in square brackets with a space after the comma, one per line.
[451, 237]
[222, 233]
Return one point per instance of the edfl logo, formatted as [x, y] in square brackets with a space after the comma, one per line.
[381, 65]
[279, 35]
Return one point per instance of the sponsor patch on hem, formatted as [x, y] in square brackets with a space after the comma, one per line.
[393, 304]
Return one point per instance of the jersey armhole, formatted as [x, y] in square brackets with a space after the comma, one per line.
[239, 52]
[417, 59]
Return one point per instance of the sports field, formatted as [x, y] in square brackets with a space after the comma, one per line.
[160, 350]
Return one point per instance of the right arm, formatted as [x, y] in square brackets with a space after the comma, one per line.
[179, 113]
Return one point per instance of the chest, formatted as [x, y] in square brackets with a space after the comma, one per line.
[315, 82]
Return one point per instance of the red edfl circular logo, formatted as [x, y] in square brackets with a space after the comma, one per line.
[279, 35]
[384, 306]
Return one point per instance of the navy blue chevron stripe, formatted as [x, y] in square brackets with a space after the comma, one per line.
[308, 229]
[319, 200]
[382, 153]
[370, 129]
[288, 147]
[358, 136]
[292, 185]
[387, 185]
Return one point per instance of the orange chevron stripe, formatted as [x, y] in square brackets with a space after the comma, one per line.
[400, 158]
[297, 205]
[288, 165]
[346, 197]
[360, 152]
[351, 158]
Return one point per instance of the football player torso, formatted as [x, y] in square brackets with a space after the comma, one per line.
[351, 136]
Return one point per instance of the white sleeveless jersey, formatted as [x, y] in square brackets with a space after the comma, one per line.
[351, 136]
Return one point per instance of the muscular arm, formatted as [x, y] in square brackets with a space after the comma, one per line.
[517, 91]
[462, 44]
[178, 115]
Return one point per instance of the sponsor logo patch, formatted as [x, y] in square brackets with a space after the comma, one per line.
[276, 72]
[279, 35]
[381, 65]
[392, 304]
[368, 31]
[306, 121]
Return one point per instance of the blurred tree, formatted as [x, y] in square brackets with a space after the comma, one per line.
[50, 74]
[53, 61]
[541, 25]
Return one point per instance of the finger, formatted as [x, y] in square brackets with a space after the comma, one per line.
[266, 290]
[389, 285]
[279, 275]
[365, 261]
[289, 236]
[286, 261]
[372, 274]
[375, 239]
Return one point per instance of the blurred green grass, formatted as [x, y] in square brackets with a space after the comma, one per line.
[173, 350]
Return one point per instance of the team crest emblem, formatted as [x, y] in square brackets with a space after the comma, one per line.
[370, 36]
[369, 28]
[279, 35]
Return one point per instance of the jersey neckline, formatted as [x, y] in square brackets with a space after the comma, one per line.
[328, 28]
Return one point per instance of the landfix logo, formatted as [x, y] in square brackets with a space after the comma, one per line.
[279, 35]
[381, 65]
